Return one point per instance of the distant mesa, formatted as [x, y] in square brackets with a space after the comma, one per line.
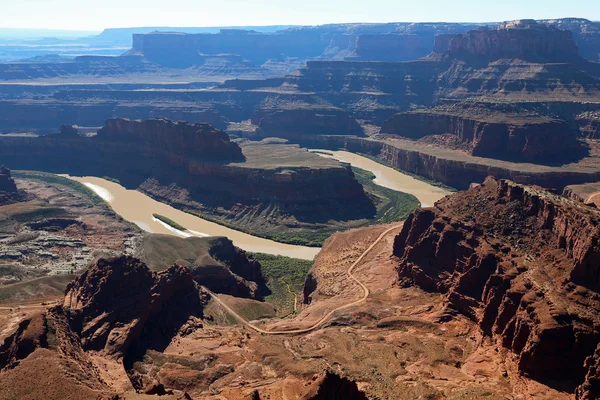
[525, 40]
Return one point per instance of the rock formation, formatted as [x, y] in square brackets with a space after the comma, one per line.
[585, 32]
[176, 139]
[525, 40]
[214, 262]
[493, 134]
[8, 189]
[520, 262]
[119, 303]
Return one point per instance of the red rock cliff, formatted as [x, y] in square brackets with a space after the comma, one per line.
[521, 262]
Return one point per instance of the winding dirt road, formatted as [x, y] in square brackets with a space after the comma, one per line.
[328, 315]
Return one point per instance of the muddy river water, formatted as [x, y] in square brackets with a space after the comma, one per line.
[388, 177]
[138, 208]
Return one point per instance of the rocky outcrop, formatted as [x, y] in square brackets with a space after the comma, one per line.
[214, 262]
[8, 189]
[498, 136]
[175, 139]
[31, 334]
[329, 386]
[522, 263]
[524, 40]
[119, 306]
[42, 358]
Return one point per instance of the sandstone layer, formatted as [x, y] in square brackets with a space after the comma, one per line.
[497, 136]
[520, 262]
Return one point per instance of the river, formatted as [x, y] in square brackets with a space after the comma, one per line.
[136, 207]
[388, 177]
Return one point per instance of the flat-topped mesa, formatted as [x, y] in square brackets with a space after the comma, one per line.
[8, 188]
[178, 138]
[521, 262]
[524, 40]
[485, 132]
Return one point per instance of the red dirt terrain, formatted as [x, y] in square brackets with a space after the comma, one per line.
[490, 294]
[523, 265]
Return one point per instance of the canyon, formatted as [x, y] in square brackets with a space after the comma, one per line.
[491, 293]
[271, 189]
[415, 292]
[479, 103]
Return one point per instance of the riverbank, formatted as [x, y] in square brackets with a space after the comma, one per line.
[139, 208]
[388, 177]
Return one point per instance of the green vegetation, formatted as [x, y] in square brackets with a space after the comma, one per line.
[391, 205]
[56, 179]
[421, 178]
[285, 279]
[169, 222]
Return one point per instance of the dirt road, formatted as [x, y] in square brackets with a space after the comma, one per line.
[328, 315]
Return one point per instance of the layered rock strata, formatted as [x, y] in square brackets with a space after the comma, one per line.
[523, 264]
[498, 136]
[188, 162]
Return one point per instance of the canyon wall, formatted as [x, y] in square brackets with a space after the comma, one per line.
[177, 139]
[284, 123]
[492, 251]
[185, 164]
[524, 40]
[499, 136]
[448, 167]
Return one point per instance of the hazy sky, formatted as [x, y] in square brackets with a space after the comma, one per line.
[99, 14]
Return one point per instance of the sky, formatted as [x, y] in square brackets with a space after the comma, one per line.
[99, 14]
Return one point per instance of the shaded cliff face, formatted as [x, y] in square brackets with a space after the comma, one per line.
[286, 123]
[520, 262]
[8, 188]
[498, 136]
[118, 306]
[177, 138]
[330, 386]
